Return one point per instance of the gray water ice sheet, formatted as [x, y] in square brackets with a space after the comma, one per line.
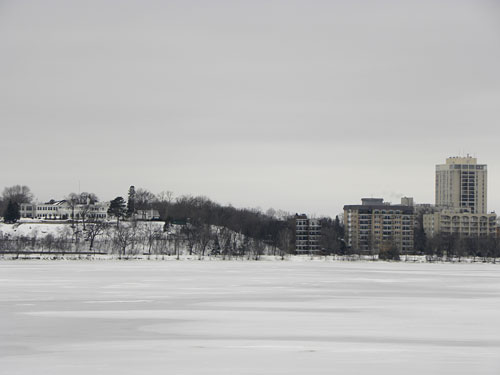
[243, 317]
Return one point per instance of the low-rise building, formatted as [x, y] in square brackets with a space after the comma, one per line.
[461, 223]
[147, 215]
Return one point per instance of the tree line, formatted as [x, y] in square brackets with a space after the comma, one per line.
[207, 227]
[134, 238]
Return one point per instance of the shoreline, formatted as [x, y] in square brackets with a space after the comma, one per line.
[20, 256]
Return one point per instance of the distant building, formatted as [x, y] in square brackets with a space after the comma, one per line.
[147, 215]
[62, 210]
[461, 183]
[307, 234]
[425, 208]
[460, 223]
[376, 223]
[407, 201]
[461, 200]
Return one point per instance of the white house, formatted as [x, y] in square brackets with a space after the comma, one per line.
[63, 210]
[147, 215]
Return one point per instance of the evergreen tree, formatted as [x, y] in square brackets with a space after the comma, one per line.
[117, 208]
[215, 246]
[420, 238]
[131, 201]
[339, 229]
[12, 213]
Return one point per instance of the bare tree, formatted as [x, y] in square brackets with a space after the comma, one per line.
[95, 229]
[17, 194]
[226, 238]
[285, 240]
[73, 200]
[175, 237]
[85, 210]
[163, 203]
[256, 248]
[124, 238]
[150, 234]
[88, 198]
[204, 238]
[283, 215]
[143, 199]
[76, 237]
[271, 212]
[165, 196]
[190, 233]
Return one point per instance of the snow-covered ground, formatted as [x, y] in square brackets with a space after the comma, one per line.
[33, 229]
[141, 317]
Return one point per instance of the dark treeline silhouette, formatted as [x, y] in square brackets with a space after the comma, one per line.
[332, 237]
[10, 200]
[454, 246]
[199, 211]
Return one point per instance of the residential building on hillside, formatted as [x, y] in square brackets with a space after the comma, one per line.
[375, 224]
[461, 183]
[147, 215]
[307, 234]
[63, 210]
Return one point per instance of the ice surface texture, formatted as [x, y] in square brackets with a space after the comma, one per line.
[242, 317]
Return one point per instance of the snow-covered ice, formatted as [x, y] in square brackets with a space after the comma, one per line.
[243, 317]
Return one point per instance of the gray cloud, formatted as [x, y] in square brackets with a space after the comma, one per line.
[298, 105]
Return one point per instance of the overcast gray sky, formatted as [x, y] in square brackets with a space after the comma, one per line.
[299, 105]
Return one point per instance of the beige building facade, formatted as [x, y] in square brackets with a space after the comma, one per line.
[461, 183]
[460, 223]
[375, 224]
[461, 200]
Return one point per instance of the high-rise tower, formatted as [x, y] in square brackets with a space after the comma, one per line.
[461, 183]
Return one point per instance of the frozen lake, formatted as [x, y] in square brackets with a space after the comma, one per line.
[190, 317]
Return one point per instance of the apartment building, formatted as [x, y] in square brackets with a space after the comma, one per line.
[461, 200]
[376, 223]
[461, 223]
[461, 183]
[307, 234]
